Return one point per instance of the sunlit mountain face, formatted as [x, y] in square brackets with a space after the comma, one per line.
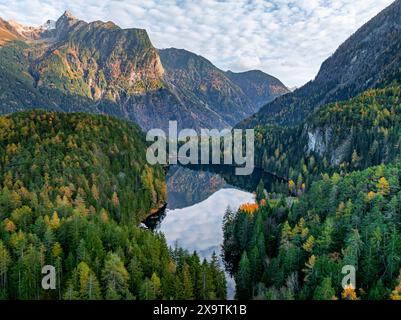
[87, 214]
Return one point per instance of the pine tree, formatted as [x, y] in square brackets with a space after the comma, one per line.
[89, 288]
[325, 240]
[392, 253]
[370, 266]
[147, 290]
[325, 291]
[243, 279]
[187, 285]
[136, 275]
[230, 247]
[156, 285]
[115, 277]
[353, 248]
[260, 191]
[5, 261]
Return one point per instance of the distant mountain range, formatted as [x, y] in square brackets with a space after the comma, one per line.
[370, 57]
[71, 65]
[226, 95]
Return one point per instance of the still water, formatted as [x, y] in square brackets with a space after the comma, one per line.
[199, 227]
[197, 201]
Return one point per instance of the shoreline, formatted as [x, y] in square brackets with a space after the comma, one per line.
[155, 212]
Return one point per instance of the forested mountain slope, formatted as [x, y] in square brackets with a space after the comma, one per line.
[98, 67]
[73, 188]
[364, 61]
[220, 98]
[94, 67]
[7, 33]
[276, 251]
[339, 137]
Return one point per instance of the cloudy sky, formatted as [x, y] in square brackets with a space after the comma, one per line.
[286, 38]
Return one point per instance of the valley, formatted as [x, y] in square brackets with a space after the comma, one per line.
[79, 193]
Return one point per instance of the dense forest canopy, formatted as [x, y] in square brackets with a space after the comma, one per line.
[340, 209]
[339, 137]
[73, 189]
[297, 249]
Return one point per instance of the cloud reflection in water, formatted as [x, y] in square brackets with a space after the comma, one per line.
[199, 227]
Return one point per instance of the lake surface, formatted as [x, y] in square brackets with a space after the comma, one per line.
[197, 201]
[199, 227]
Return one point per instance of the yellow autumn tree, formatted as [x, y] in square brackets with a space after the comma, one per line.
[301, 229]
[309, 267]
[11, 149]
[55, 221]
[95, 192]
[355, 158]
[114, 199]
[156, 284]
[383, 186]
[371, 195]
[104, 215]
[9, 226]
[66, 191]
[249, 208]
[46, 220]
[340, 209]
[286, 234]
[349, 293]
[396, 293]
[291, 185]
[308, 245]
[57, 250]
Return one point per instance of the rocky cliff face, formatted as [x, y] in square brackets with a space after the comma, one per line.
[320, 140]
[71, 65]
[99, 61]
[364, 61]
[7, 32]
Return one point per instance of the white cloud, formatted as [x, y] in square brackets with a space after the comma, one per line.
[286, 38]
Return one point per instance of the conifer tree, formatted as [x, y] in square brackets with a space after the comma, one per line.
[243, 279]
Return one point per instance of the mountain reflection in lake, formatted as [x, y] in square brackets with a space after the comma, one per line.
[186, 187]
[197, 201]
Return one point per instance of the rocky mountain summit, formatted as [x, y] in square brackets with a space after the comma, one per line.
[72, 65]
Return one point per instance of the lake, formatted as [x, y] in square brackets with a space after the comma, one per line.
[197, 201]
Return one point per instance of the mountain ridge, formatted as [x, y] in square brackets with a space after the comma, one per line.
[261, 87]
[360, 63]
[97, 67]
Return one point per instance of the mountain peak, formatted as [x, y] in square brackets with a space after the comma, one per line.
[66, 19]
[64, 24]
[68, 14]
